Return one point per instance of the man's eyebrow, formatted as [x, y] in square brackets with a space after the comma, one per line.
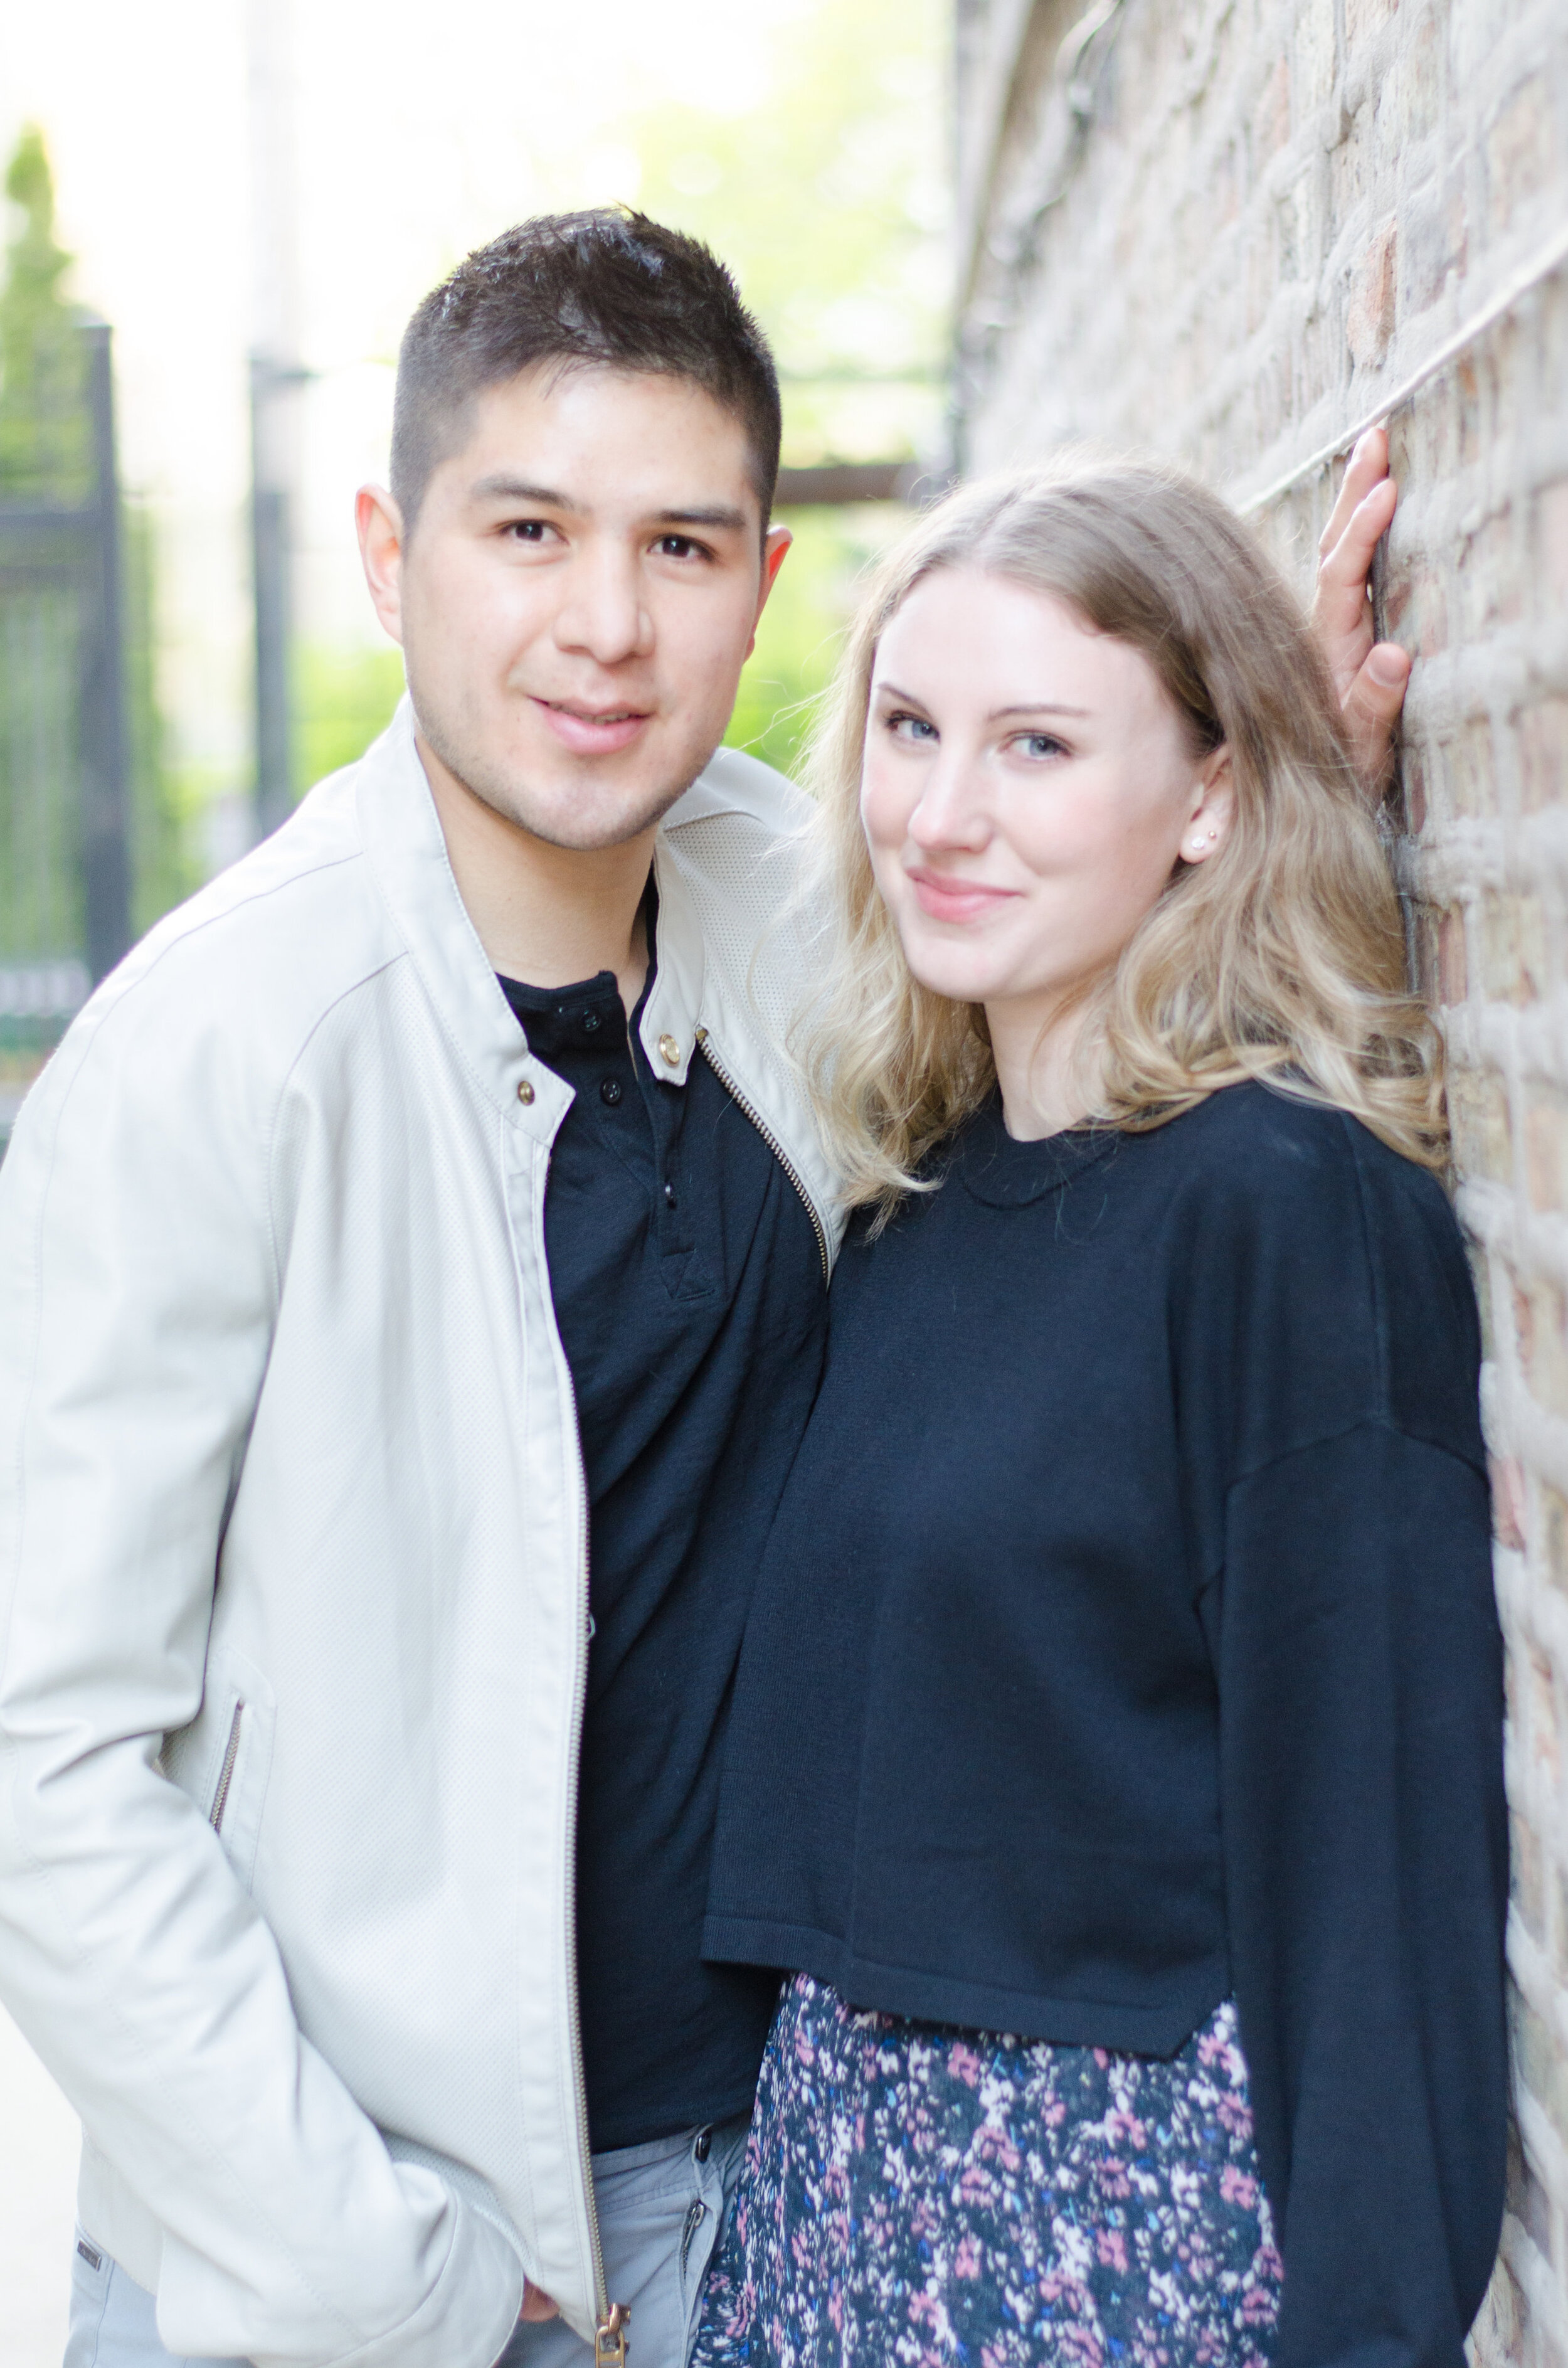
[502, 488]
[719, 515]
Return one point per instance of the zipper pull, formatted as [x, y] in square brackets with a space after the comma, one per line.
[609, 2336]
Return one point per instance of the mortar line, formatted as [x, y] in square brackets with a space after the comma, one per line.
[1529, 276]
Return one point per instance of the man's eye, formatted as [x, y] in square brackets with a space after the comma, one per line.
[528, 530]
[678, 546]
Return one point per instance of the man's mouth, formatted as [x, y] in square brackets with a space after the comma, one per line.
[592, 731]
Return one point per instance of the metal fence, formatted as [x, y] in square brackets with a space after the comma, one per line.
[65, 760]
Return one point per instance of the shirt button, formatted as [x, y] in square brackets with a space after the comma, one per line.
[610, 1091]
[669, 1196]
[703, 2145]
[524, 1092]
[590, 1021]
[669, 1052]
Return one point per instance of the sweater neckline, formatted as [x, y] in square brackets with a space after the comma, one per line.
[1007, 1174]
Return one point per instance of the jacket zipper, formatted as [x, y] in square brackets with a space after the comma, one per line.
[226, 1773]
[782, 1156]
[612, 2318]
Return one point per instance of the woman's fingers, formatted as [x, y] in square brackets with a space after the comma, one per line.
[1367, 466]
[537, 2307]
[1341, 610]
[1370, 680]
[1370, 707]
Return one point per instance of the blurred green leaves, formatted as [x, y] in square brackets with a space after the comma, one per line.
[343, 700]
[45, 432]
[828, 200]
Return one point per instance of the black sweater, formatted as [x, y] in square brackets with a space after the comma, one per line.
[1126, 1640]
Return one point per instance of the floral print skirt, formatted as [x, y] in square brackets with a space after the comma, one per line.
[917, 2195]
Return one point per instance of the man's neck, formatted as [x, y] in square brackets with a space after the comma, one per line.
[547, 915]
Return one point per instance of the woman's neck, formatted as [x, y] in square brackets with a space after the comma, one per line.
[1045, 1084]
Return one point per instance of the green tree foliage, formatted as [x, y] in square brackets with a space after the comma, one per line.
[343, 699]
[45, 433]
[46, 457]
[827, 199]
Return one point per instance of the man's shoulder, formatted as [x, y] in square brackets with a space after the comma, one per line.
[735, 839]
[292, 922]
[744, 799]
[235, 979]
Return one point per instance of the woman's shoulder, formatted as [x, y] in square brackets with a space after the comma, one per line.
[1297, 1203]
[1287, 1158]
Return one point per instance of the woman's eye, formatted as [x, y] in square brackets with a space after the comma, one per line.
[1039, 745]
[911, 727]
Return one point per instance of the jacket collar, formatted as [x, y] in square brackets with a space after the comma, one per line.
[407, 857]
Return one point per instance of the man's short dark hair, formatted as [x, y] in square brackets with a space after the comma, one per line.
[607, 287]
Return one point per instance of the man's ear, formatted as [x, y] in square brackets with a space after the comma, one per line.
[776, 542]
[379, 522]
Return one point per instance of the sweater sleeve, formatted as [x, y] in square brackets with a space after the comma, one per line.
[1359, 1661]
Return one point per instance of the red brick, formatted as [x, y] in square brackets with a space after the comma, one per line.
[1369, 316]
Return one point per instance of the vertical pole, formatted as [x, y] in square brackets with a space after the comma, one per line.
[270, 568]
[105, 754]
[275, 380]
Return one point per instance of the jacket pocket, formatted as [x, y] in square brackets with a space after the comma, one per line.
[223, 1761]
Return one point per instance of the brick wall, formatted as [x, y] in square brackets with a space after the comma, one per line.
[1230, 229]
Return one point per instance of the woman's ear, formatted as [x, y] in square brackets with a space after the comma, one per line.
[1213, 809]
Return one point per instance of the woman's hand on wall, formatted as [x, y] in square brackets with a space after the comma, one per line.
[1370, 676]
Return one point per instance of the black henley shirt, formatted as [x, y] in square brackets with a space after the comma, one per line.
[688, 1292]
[1126, 1640]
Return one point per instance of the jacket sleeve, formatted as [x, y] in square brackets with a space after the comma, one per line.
[1361, 1700]
[138, 1288]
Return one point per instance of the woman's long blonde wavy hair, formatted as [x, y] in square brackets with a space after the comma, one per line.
[1281, 958]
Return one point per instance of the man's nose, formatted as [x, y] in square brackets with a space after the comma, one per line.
[602, 614]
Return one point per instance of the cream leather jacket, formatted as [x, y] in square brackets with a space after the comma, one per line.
[293, 1607]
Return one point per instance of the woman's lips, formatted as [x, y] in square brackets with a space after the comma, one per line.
[592, 736]
[942, 899]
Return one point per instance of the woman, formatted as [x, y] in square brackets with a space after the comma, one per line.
[1116, 1752]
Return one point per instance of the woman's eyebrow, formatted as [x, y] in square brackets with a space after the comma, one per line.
[1034, 707]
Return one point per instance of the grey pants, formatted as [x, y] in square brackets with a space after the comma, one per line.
[661, 2208]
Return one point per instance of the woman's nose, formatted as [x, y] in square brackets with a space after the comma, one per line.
[952, 810]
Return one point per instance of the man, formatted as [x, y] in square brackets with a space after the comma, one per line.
[353, 1900]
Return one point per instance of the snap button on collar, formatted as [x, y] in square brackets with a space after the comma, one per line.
[525, 1091]
[669, 1052]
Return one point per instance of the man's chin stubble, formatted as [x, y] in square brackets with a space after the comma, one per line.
[495, 787]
